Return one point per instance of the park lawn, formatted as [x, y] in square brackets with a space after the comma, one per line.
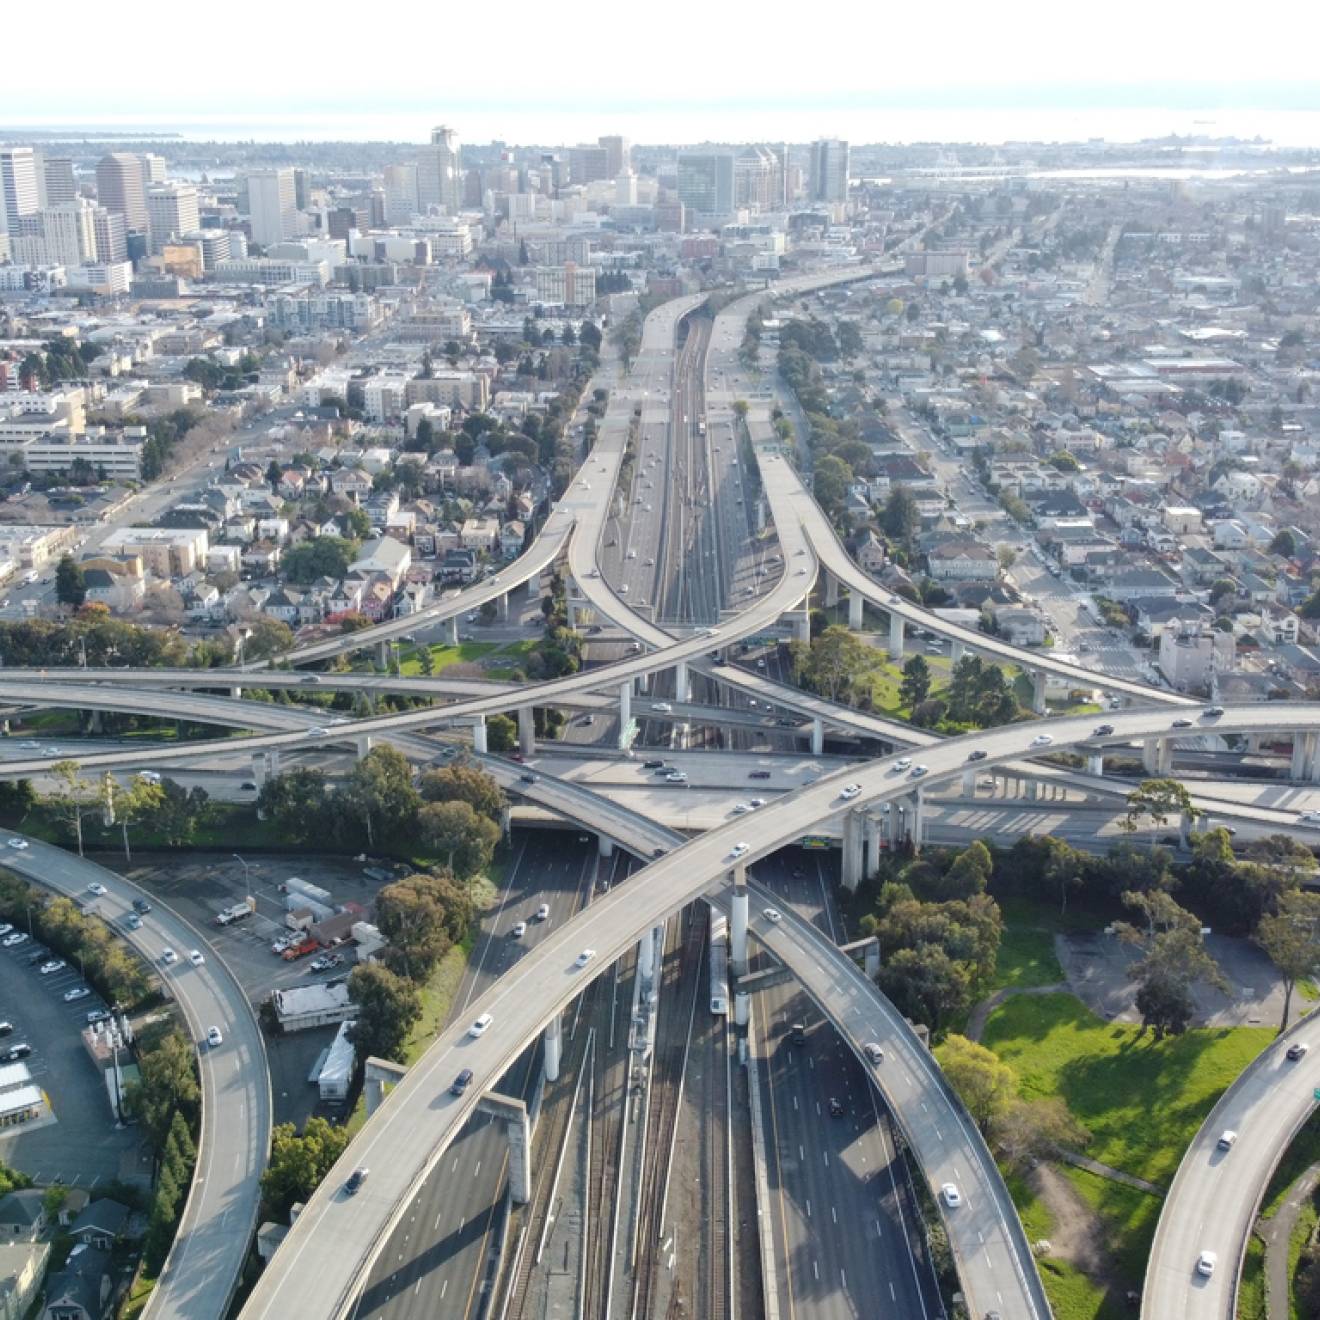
[1073, 1296]
[442, 656]
[1142, 1100]
[1026, 952]
[1129, 1216]
[516, 652]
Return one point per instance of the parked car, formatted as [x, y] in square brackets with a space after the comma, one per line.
[78, 992]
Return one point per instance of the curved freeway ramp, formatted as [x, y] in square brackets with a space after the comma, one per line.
[220, 1214]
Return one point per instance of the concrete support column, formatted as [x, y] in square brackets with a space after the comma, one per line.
[1314, 768]
[518, 1128]
[871, 844]
[817, 735]
[604, 845]
[259, 768]
[94, 722]
[533, 586]
[916, 819]
[236, 693]
[625, 710]
[526, 730]
[852, 849]
[855, 604]
[802, 625]
[682, 683]
[895, 636]
[968, 782]
[738, 931]
[378, 1074]
[957, 650]
[362, 745]
[831, 590]
[570, 611]
[1303, 754]
[453, 631]
[1095, 764]
[502, 606]
[1038, 692]
[1156, 755]
[479, 735]
[554, 1042]
[273, 761]
[1033, 790]
[383, 654]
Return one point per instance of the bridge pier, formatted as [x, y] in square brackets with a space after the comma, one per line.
[855, 604]
[682, 682]
[604, 845]
[362, 745]
[1303, 756]
[453, 630]
[917, 820]
[895, 636]
[831, 590]
[259, 764]
[625, 710]
[853, 862]
[1033, 789]
[502, 606]
[383, 654]
[479, 735]
[553, 1047]
[1038, 693]
[273, 762]
[817, 735]
[236, 693]
[802, 626]
[738, 930]
[1095, 764]
[871, 828]
[518, 1128]
[533, 586]
[526, 730]
[378, 1074]
[570, 609]
[1156, 755]
[968, 782]
[957, 650]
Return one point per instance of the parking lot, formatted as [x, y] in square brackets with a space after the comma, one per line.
[84, 1146]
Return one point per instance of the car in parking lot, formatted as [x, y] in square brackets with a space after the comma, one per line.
[281, 944]
[97, 1015]
[54, 965]
[18, 937]
[481, 1025]
[78, 992]
[20, 1049]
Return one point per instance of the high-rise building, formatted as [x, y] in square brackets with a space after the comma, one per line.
[19, 194]
[588, 164]
[757, 179]
[153, 168]
[829, 171]
[272, 205]
[61, 186]
[439, 173]
[111, 235]
[121, 187]
[302, 189]
[172, 210]
[400, 193]
[618, 155]
[70, 233]
[569, 285]
[705, 181]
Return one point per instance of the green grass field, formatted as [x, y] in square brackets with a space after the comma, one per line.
[443, 656]
[1142, 1100]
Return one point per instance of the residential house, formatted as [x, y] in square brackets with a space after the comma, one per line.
[962, 557]
[293, 482]
[481, 534]
[1190, 658]
[82, 1289]
[120, 584]
[261, 558]
[347, 597]
[22, 1215]
[101, 1224]
[1018, 624]
[22, 1267]
[284, 604]
[871, 553]
[459, 566]
[377, 598]
[386, 556]
[512, 535]
[1133, 583]
[1155, 615]
[352, 483]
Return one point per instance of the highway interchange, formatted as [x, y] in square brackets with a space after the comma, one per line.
[671, 880]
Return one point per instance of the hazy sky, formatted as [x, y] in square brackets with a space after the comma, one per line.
[479, 66]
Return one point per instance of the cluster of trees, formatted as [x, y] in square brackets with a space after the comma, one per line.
[939, 932]
[106, 642]
[212, 375]
[979, 696]
[451, 812]
[321, 556]
[298, 1163]
[106, 961]
[166, 1100]
[164, 808]
[59, 359]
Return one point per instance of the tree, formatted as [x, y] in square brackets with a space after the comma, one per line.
[1006, 557]
[132, 803]
[830, 484]
[166, 1085]
[969, 872]
[70, 583]
[740, 407]
[1159, 799]
[590, 336]
[72, 798]
[379, 794]
[1220, 588]
[900, 519]
[983, 1081]
[266, 638]
[422, 916]
[1284, 543]
[387, 1007]
[927, 985]
[915, 687]
[177, 812]
[322, 556]
[466, 839]
[357, 522]
[1025, 1131]
[464, 781]
[1290, 938]
[501, 733]
[296, 801]
[835, 660]
[297, 1163]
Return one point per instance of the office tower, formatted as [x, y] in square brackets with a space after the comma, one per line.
[70, 233]
[172, 211]
[439, 171]
[301, 189]
[111, 235]
[829, 171]
[153, 168]
[588, 164]
[618, 156]
[19, 194]
[272, 205]
[121, 188]
[400, 193]
[757, 180]
[61, 186]
[705, 181]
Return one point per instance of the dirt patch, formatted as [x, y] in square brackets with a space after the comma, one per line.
[1076, 1232]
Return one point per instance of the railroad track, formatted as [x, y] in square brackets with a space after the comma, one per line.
[717, 1175]
[683, 987]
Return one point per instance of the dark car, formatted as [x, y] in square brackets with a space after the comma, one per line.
[1182, 724]
[527, 778]
[141, 905]
[653, 765]
[836, 1107]
[515, 756]
[759, 774]
[1295, 1052]
[461, 1082]
[1212, 712]
[6, 1028]
[1102, 730]
[355, 1181]
[657, 852]
[978, 755]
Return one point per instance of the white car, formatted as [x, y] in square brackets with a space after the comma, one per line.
[952, 1196]
[5, 927]
[740, 809]
[584, 958]
[543, 912]
[1206, 1262]
[519, 930]
[213, 1037]
[662, 707]
[1041, 740]
[850, 791]
[53, 966]
[873, 1052]
[1227, 1139]
[78, 992]
[918, 771]
[1310, 817]
[739, 850]
[19, 844]
[97, 888]
[195, 957]
[478, 1028]
[167, 956]
[316, 732]
[18, 937]
[902, 763]
[772, 914]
